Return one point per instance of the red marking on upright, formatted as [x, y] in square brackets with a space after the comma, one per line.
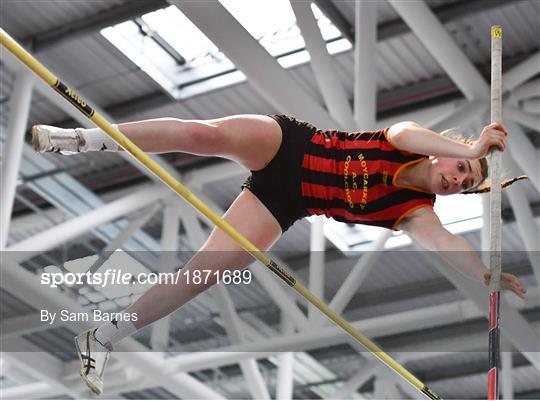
[492, 384]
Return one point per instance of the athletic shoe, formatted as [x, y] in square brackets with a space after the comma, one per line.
[94, 357]
[46, 138]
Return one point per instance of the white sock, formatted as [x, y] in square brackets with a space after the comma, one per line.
[95, 140]
[112, 332]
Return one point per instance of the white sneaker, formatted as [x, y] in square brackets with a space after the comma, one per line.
[46, 138]
[94, 357]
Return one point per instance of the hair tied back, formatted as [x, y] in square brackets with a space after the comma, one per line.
[486, 187]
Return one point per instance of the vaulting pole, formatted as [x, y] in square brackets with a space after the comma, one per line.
[495, 218]
[68, 93]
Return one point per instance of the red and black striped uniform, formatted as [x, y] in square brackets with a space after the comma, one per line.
[351, 178]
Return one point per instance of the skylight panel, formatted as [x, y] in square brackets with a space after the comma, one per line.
[183, 35]
[168, 47]
[144, 53]
[328, 30]
[273, 24]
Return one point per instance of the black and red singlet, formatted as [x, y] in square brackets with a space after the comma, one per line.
[351, 177]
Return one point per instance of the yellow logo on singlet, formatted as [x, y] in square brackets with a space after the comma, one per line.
[353, 186]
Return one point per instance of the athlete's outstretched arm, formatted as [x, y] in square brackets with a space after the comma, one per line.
[426, 228]
[414, 138]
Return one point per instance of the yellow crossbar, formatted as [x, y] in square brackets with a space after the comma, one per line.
[181, 190]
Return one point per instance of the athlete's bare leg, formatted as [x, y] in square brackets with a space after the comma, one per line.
[233, 137]
[250, 140]
[251, 218]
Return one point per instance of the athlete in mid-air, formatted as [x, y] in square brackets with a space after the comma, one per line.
[387, 178]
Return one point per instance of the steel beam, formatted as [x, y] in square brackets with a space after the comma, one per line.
[359, 273]
[160, 330]
[527, 90]
[323, 65]
[531, 106]
[20, 325]
[254, 380]
[31, 391]
[417, 319]
[316, 266]
[507, 381]
[521, 73]
[463, 115]
[337, 18]
[356, 381]
[444, 49]
[523, 152]
[305, 367]
[77, 226]
[36, 362]
[282, 91]
[279, 294]
[285, 374]
[19, 107]
[527, 227]
[42, 88]
[365, 77]
[232, 322]
[531, 121]
[513, 325]
[15, 374]
[135, 224]
[392, 28]
[18, 280]
[91, 24]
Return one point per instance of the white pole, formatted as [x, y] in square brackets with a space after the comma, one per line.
[365, 78]
[359, 273]
[316, 266]
[159, 337]
[495, 165]
[19, 107]
[323, 65]
[495, 232]
[506, 371]
[285, 375]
